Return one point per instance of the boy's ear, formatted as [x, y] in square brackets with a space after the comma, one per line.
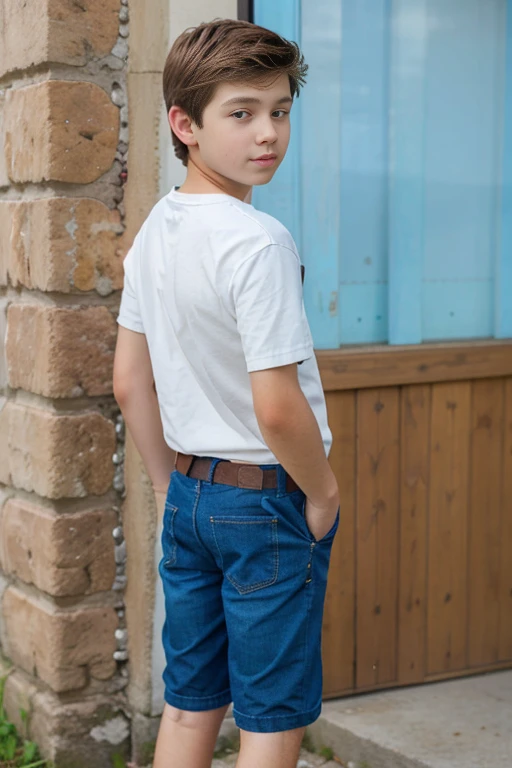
[182, 126]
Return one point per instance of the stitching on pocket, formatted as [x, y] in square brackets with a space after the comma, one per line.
[272, 521]
[168, 537]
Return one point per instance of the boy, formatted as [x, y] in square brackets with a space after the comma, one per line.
[212, 311]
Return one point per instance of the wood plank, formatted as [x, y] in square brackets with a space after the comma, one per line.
[377, 535]
[414, 473]
[447, 530]
[485, 518]
[338, 632]
[382, 366]
[505, 632]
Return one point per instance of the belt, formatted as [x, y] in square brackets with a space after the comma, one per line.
[231, 473]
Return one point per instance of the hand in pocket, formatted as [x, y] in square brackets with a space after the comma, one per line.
[320, 519]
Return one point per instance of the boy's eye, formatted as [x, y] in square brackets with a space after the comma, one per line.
[239, 114]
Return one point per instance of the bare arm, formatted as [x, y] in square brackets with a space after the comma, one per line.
[291, 431]
[136, 396]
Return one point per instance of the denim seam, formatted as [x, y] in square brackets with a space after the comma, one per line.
[275, 543]
[219, 695]
[194, 517]
[276, 717]
[307, 594]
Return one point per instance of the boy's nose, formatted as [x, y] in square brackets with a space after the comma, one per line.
[266, 133]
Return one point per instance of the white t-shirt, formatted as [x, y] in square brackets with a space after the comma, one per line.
[215, 285]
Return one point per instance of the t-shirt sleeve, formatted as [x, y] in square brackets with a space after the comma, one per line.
[266, 295]
[129, 311]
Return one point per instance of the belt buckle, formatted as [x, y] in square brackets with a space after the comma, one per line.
[250, 477]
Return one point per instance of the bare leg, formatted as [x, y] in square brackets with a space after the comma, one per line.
[270, 750]
[187, 739]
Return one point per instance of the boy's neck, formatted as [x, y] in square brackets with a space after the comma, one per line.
[203, 181]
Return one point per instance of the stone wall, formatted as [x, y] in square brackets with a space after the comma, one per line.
[63, 234]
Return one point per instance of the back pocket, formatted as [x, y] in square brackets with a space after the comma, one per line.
[248, 549]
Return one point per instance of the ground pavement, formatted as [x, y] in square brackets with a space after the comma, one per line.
[306, 760]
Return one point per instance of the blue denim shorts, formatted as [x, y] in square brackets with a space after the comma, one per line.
[244, 583]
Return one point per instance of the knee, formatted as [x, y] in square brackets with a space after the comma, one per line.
[188, 719]
[183, 717]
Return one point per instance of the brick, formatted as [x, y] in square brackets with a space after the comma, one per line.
[61, 244]
[81, 734]
[61, 554]
[23, 34]
[3, 329]
[82, 246]
[27, 134]
[59, 131]
[4, 178]
[62, 648]
[60, 352]
[18, 694]
[3, 639]
[6, 226]
[56, 455]
[63, 31]
[75, 32]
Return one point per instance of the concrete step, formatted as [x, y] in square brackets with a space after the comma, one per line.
[464, 723]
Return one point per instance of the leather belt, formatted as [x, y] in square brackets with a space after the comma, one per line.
[231, 473]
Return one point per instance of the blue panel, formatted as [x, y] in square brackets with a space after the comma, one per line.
[281, 198]
[462, 158]
[364, 171]
[320, 159]
[363, 313]
[456, 310]
[503, 317]
[392, 183]
[407, 116]
[278, 17]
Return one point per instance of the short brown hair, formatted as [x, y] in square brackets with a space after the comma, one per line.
[220, 51]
